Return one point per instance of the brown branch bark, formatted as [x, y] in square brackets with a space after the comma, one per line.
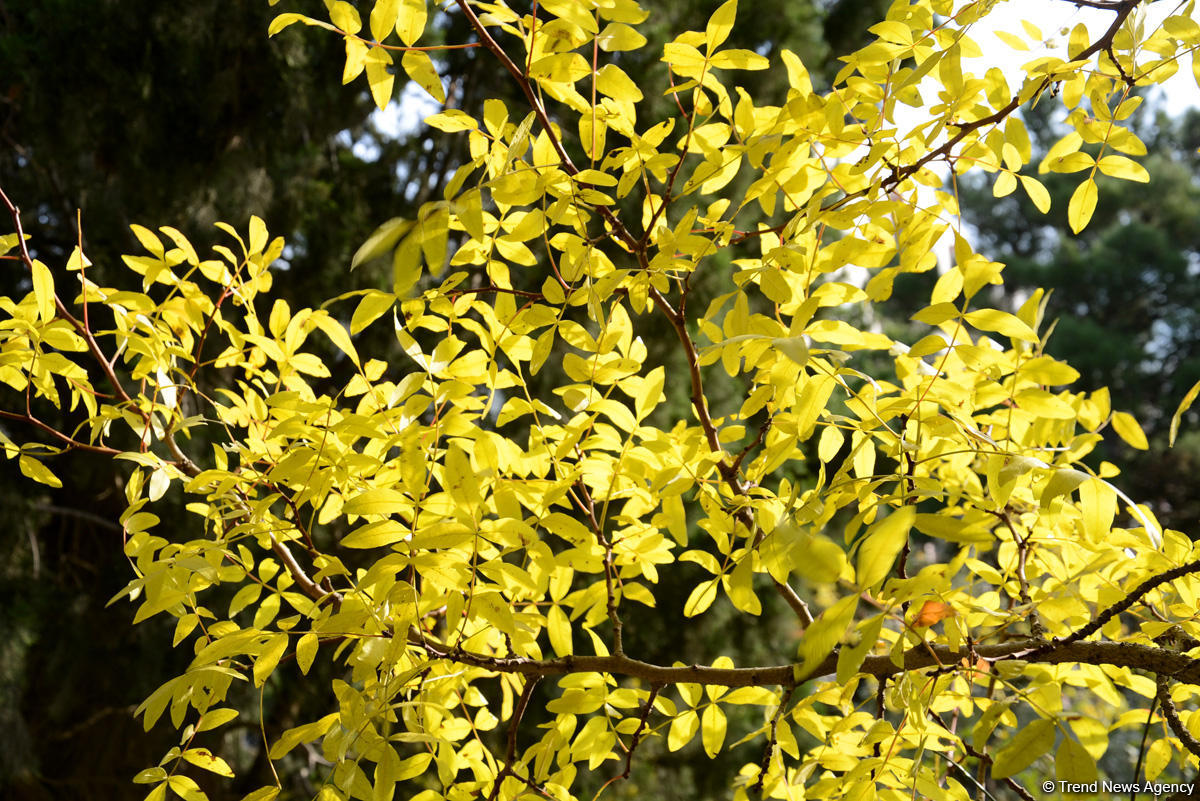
[1130, 655]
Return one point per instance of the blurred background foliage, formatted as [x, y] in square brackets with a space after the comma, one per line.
[185, 114]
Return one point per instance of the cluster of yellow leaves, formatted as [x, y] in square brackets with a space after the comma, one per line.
[488, 526]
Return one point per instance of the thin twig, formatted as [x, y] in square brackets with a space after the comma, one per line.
[510, 750]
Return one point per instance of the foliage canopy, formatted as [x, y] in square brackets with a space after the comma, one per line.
[469, 548]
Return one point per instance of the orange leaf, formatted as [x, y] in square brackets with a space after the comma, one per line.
[931, 612]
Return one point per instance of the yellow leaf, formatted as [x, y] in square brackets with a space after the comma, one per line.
[738, 60]
[683, 729]
[420, 68]
[1070, 162]
[306, 651]
[1123, 167]
[150, 776]
[712, 729]
[379, 78]
[1013, 41]
[826, 632]
[203, 758]
[1061, 482]
[379, 534]
[1068, 144]
[701, 597]
[258, 234]
[284, 20]
[1006, 182]
[611, 81]
[452, 120]
[1027, 744]
[851, 658]
[1083, 203]
[1128, 429]
[1184, 405]
[1002, 323]
[1098, 508]
[215, 718]
[37, 471]
[719, 25]
[43, 291]
[158, 793]
[272, 652]
[373, 305]
[410, 22]
[380, 501]
[356, 59]
[818, 558]
[739, 585]
[1158, 757]
[1183, 28]
[882, 544]
[559, 629]
[1037, 193]
[617, 36]
[383, 18]
[344, 15]
[830, 443]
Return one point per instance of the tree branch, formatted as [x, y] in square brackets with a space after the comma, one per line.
[1120, 606]
[1172, 716]
[1117, 654]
